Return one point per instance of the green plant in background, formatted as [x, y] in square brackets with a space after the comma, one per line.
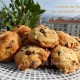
[2, 18]
[20, 12]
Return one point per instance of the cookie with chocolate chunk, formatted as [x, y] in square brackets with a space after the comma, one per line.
[10, 43]
[65, 59]
[67, 40]
[30, 57]
[44, 37]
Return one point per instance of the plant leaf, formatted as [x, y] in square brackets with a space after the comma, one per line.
[18, 9]
[11, 0]
[27, 23]
[8, 18]
[33, 21]
[22, 3]
[1, 21]
[17, 2]
[41, 11]
[20, 12]
[8, 25]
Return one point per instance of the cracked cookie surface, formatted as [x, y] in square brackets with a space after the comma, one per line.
[67, 40]
[44, 37]
[65, 59]
[10, 43]
[30, 57]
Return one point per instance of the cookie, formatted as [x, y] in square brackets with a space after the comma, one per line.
[44, 37]
[30, 57]
[65, 59]
[23, 32]
[67, 40]
[10, 43]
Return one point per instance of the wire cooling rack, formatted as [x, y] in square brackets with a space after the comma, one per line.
[9, 72]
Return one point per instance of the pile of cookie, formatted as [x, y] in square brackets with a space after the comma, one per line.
[30, 48]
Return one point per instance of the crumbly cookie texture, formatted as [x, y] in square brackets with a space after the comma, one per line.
[44, 37]
[23, 32]
[67, 40]
[10, 43]
[77, 52]
[30, 57]
[65, 59]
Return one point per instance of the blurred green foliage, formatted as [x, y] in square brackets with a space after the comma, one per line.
[20, 12]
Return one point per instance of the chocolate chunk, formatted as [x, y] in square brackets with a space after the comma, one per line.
[12, 41]
[8, 47]
[79, 41]
[9, 53]
[74, 61]
[45, 27]
[22, 50]
[58, 53]
[72, 44]
[66, 45]
[28, 52]
[77, 63]
[42, 31]
[33, 52]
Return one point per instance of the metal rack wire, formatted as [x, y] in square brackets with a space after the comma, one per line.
[8, 71]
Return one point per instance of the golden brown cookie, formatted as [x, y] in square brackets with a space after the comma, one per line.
[65, 59]
[10, 43]
[67, 40]
[30, 57]
[44, 37]
[23, 32]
